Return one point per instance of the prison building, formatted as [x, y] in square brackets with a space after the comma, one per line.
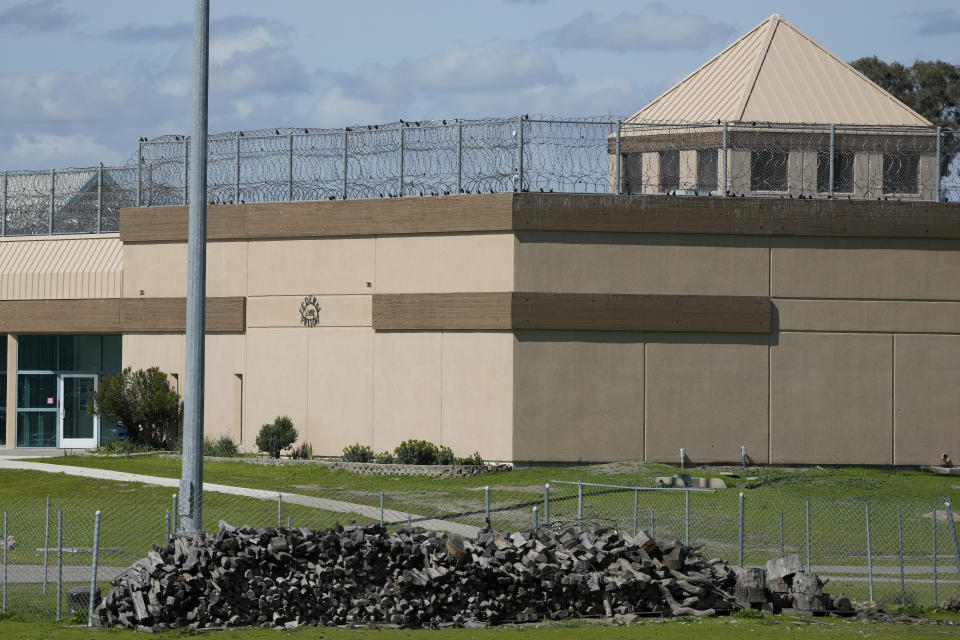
[773, 105]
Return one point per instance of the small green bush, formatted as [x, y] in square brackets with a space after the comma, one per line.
[124, 447]
[358, 453]
[416, 452]
[472, 460]
[753, 614]
[384, 457]
[277, 436]
[303, 452]
[444, 455]
[142, 401]
[223, 447]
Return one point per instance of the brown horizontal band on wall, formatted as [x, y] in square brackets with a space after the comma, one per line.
[735, 216]
[386, 216]
[571, 311]
[506, 212]
[442, 311]
[117, 315]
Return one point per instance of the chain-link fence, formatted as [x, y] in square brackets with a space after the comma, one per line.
[870, 551]
[586, 155]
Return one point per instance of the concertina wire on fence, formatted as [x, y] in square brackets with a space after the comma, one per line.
[877, 551]
[444, 157]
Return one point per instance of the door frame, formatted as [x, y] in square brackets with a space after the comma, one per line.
[76, 443]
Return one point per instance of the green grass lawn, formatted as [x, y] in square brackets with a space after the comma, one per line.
[670, 629]
[837, 497]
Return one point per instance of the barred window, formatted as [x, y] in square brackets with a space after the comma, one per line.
[842, 171]
[901, 172]
[707, 169]
[669, 170]
[632, 173]
[768, 170]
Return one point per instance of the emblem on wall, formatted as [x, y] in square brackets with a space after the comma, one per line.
[310, 312]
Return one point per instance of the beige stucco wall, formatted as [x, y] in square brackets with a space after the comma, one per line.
[706, 393]
[926, 398]
[444, 263]
[831, 398]
[641, 263]
[863, 268]
[578, 396]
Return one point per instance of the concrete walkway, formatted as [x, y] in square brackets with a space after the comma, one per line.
[337, 506]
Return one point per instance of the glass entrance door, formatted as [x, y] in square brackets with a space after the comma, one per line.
[78, 429]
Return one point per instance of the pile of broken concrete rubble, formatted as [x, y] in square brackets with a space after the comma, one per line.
[365, 575]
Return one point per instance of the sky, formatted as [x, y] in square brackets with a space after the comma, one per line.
[82, 80]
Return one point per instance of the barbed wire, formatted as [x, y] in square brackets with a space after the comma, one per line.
[495, 155]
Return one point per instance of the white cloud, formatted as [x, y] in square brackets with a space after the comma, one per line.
[335, 109]
[50, 150]
[654, 27]
[37, 16]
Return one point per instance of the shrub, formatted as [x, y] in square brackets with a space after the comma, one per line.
[416, 452]
[444, 455]
[750, 614]
[473, 460]
[121, 447]
[277, 436]
[357, 453]
[384, 457]
[223, 447]
[142, 401]
[303, 452]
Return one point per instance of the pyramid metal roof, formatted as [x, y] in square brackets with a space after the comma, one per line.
[776, 73]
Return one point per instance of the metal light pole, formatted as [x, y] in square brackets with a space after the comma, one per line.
[191, 475]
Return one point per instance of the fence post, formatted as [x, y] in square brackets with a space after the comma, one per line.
[46, 544]
[93, 568]
[3, 206]
[579, 507]
[546, 503]
[653, 523]
[236, 167]
[903, 586]
[781, 534]
[279, 510]
[618, 179]
[345, 157]
[833, 136]
[536, 522]
[869, 553]
[460, 177]
[519, 154]
[953, 534]
[166, 526]
[290, 168]
[686, 517]
[173, 514]
[808, 536]
[381, 508]
[725, 154]
[933, 550]
[59, 562]
[486, 501]
[53, 196]
[636, 510]
[401, 159]
[186, 170]
[100, 198]
[140, 173]
[740, 539]
[5, 545]
[939, 160]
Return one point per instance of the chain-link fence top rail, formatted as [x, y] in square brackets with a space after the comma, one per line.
[525, 153]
